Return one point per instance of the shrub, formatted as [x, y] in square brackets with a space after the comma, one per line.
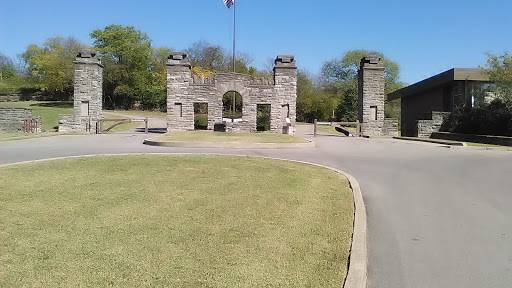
[201, 121]
[494, 118]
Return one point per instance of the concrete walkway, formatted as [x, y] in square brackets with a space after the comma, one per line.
[437, 217]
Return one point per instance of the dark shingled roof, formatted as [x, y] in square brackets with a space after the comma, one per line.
[455, 74]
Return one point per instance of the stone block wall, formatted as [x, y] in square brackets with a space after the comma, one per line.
[426, 127]
[12, 119]
[390, 127]
[87, 96]
[67, 123]
[183, 91]
[371, 96]
[243, 126]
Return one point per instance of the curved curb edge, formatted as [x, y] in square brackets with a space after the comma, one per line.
[358, 262]
[358, 259]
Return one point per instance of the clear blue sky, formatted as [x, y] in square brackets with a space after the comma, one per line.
[424, 37]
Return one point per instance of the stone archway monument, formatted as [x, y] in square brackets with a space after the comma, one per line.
[183, 91]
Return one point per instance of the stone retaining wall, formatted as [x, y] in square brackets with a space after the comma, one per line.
[426, 127]
[390, 127]
[12, 119]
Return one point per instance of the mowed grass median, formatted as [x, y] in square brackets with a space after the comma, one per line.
[216, 137]
[173, 221]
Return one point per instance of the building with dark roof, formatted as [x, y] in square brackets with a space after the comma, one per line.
[425, 104]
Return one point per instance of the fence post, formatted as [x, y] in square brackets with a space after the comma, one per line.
[146, 123]
[314, 129]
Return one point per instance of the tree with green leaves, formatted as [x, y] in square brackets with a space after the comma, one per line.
[499, 70]
[340, 78]
[208, 56]
[313, 102]
[127, 56]
[216, 59]
[7, 68]
[156, 96]
[52, 64]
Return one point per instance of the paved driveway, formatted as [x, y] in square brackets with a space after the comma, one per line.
[437, 217]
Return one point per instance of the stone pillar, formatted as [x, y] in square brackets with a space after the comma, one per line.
[371, 96]
[285, 79]
[88, 92]
[180, 113]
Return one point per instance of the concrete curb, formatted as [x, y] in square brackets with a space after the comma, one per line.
[432, 141]
[232, 145]
[358, 259]
[502, 149]
[357, 276]
[358, 263]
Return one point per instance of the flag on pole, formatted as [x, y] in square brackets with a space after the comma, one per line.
[229, 3]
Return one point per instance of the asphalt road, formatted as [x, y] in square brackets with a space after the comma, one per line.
[437, 217]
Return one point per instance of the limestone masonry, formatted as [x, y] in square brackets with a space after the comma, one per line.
[371, 99]
[183, 91]
[426, 127]
[88, 93]
[13, 120]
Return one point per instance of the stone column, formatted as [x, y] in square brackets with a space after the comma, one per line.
[180, 108]
[285, 106]
[88, 92]
[371, 96]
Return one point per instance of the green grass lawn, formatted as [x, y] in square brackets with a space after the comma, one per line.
[173, 221]
[48, 110]
[150, 114]
[120, 128]
[210, 136]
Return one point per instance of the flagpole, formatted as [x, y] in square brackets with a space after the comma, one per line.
[234, 34]
[234, 47]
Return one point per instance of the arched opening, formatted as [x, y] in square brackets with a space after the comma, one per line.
[232, 104]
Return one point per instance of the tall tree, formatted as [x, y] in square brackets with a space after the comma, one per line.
[127, 55]
[52, 64]
[313, 102]
[216, 59]
[340, 79]
[156, 96]
[208, 56]
[7, 68]
[499, 69]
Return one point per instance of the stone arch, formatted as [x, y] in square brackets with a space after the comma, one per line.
[183, 89]
[239, 101]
